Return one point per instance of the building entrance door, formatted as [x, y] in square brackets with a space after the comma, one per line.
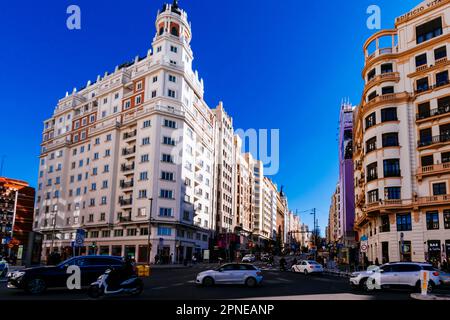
[384, 252]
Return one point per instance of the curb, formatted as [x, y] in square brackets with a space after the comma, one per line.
[431, 297]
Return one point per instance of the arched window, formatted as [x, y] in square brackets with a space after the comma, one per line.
[174, 31]
[161, 30]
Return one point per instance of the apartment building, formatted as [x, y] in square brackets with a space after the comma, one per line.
[334, 224]
[142, 132]
[402, 135]
[16, 218]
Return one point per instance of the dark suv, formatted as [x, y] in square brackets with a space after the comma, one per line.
[37, 279]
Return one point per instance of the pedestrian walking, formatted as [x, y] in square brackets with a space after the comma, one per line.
[156, 259]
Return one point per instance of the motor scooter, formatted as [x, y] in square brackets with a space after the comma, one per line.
[132, 286]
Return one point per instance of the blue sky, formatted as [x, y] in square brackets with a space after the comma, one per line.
[276, 65]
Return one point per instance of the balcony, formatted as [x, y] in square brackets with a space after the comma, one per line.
[126, 202]
[126, 184]
[125, 219]
[436, 169]
[387, 76]
[434, 200]
[126, 168]
[426, 89]
[433, 112]
[129, 151]
[128, 135]
[429, 141]
[377, 39]
[390, 98]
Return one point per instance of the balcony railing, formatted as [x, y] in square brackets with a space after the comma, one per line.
[131, 134]
[126, 202]
[129, 151]
[433, 112]
[126, 168]
[433, 169]
[126, 184]
[430, 88]
[434, 140]
[441, 199]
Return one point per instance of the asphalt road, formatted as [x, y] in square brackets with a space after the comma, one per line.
[178, 284]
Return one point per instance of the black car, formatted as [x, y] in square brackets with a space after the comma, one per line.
[37, 279]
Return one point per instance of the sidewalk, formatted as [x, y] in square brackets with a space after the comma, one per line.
[431, 297]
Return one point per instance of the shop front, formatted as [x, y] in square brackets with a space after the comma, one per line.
[434, 251]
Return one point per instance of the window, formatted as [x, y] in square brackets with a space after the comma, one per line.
[142, 212]
[427, 161]
[106, 233]
[429, 30]
[146, 124]
[127, 104]
[168, 141]
[173, 49]
[167, 158]
[153, 93]
[118, 233]
[372, 173]
[144, 158]
[445, 157]
[425, 137]
[422, 85]
[166, 194]
[387, 90]
[145, 141]
[103, 200]
[142, 194]
[424, 110]
[155, 79]
[404, 222]
[139, 85]
[143, 231]
[441, 78]
[386, 68]
[433, 220]
[137, 100]
[391, 168]
[370, 120]
[131, 232]
[372, 96]
[186, 215]
[439, 189]
[390, 139]
[164, 231]
[371, 145]
[168, 176]
[385, 224]
[170, 124]
[392, 193]
[102, 216]
[389, 114]
[165, 212]
[143, 175]
[440, 53]
[421, 60]
[171, 93]
[372, 196]
[447, 219]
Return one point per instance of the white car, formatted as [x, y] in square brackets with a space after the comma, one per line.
[249, 258]
[391, 275]
[307, 267]
[233, 273]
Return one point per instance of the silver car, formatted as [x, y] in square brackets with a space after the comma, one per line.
[233, 273]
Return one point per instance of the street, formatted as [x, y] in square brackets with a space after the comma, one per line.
[178, 284]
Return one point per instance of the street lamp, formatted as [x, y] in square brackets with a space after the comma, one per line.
[149, 245]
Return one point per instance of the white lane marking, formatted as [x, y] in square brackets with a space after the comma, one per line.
[159, 288]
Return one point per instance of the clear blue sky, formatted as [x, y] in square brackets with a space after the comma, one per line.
[288, 62]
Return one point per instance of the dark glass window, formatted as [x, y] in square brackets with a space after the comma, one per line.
[370, 120]
[422, 84]
[161, 30]
[425, 137]
[372, 96]
[427, 161]
[439, 189]
[444, 131]
[389, 114]
[392, 193]
[447, 219]
[371, 74]
[385, 224]
[404, 222]
[386, 68]
[387, 90]
[390, 139]
[429, 30]
[441, 78]
[372, 173]
[421, 60]
[444, 105]
[372, 196]
[391, 168]
[433, 220]
[424, 110]
[445, 157]
[174, 31]
[371, 145]
[440, 53]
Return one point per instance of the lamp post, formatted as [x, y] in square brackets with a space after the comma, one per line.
[149, 244]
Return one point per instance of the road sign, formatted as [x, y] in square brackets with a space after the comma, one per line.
[364, 246]
[79, 239]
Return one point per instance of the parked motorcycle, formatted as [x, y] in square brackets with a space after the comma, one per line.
[102, 287]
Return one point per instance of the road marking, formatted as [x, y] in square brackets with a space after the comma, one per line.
[159, 288]
[282, 280]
